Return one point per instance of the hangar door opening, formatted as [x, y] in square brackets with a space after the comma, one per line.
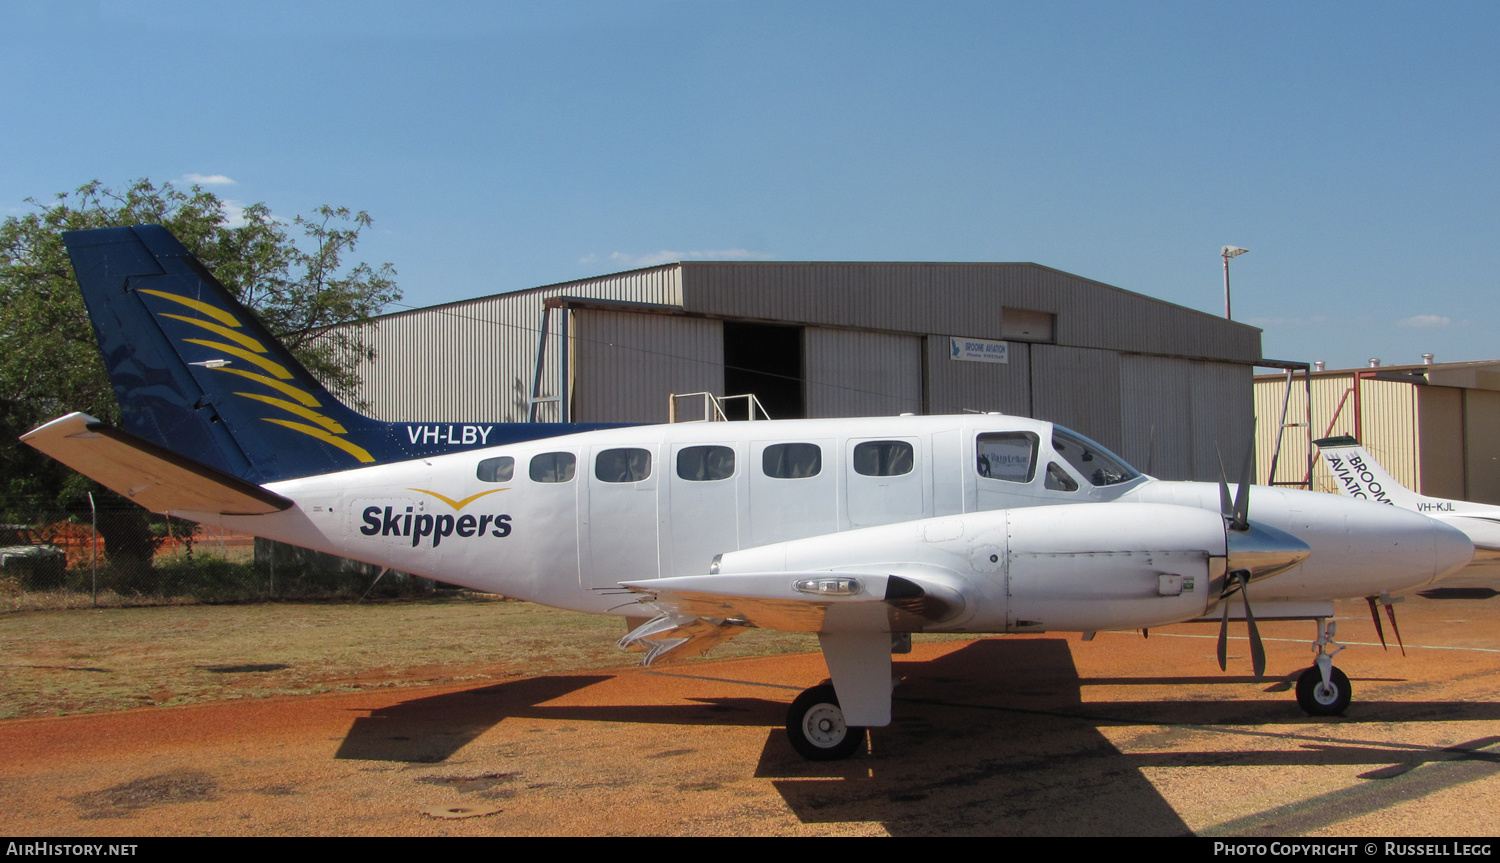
[765, 359]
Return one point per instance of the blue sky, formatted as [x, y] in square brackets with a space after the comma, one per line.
[1350, 146]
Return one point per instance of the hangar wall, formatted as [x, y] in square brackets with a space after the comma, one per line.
[852, 373]
[472, 361]
[628, 365]
[1159, 383]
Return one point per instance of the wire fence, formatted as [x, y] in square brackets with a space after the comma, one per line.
[52, 558]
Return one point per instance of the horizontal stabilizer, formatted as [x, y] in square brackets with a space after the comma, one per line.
[155, 478]
[821, 601]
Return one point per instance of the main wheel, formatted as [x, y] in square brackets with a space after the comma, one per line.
[1317, 699]
[815, 726]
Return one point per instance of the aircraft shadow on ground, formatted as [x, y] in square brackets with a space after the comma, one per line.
[992, 738]
[995, 738]
[429, 730]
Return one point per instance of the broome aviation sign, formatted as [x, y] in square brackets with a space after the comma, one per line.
[980, 350]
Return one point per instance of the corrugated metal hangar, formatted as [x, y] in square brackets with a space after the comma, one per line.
[1159, 383]
[1432, 426]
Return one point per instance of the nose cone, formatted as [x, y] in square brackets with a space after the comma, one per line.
[1264, 550]
[1362, 548]
[1452, 549]
[1359, 548]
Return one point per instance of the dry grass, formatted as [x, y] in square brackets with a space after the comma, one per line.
[86, 660]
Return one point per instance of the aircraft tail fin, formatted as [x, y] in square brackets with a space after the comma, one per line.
[1357, 474]
[197, 375]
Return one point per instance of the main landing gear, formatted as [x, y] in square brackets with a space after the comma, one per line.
[1324, 690]
[815, 726]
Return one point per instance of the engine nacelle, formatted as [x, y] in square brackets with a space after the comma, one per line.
[1076, 567]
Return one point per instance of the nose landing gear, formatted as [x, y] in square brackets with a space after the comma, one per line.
[1323, 690]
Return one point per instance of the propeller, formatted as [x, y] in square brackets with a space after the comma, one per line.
[1253, 551]
[1240, 579]
[1390, 611]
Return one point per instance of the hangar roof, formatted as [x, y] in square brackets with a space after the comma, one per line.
[961, 299]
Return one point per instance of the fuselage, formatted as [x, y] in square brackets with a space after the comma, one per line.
[564, 520]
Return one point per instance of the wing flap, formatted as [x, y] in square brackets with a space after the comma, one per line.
[678, 636]
[156, 478]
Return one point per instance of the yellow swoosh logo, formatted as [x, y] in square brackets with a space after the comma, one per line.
[355, 450]
[305, 398]
[458, 504]
[214, 312]
[217, 330]
[276, 369]
[300, 411]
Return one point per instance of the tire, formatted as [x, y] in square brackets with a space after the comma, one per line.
[1317, 700]
[815, 726]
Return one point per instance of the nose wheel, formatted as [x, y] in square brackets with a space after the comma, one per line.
[1319, 698]
[1324, 690]
[815, 726]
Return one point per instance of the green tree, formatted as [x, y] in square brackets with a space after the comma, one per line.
[293, 276]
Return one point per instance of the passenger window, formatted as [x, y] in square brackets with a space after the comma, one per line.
[705, 463]
[553, 467]
[883, 458]
[497, 469]
[1058, 479]
[792, 460]
[1010, 456]
[622, 465]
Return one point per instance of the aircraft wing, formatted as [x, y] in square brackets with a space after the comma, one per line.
[156, 478]
[821, 601]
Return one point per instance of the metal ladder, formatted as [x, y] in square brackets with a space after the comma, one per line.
[713, 407]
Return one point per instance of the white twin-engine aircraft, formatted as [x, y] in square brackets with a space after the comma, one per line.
[1358, 475]
[860, 530]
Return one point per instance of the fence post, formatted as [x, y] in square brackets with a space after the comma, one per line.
[93, 549]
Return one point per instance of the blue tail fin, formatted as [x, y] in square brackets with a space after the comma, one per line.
[197, 374]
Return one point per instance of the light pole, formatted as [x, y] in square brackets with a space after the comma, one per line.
[1229, 252]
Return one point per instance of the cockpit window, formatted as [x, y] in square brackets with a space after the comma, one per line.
[1010, 456]
[1058, 479]
[1094, 462]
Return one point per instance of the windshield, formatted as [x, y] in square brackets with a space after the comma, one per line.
[1097, 464]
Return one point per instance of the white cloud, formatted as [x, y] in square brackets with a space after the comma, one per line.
[1424, 322]
[1309, 321]
[234, 213]
[207, 179]
[665, 257]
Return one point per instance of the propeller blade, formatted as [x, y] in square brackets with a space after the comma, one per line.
[1226, 506]
[1257, 649]
[1224, 638]
[1151, 449]
[1247, 476]
[1390, 611]
[1375, 616]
